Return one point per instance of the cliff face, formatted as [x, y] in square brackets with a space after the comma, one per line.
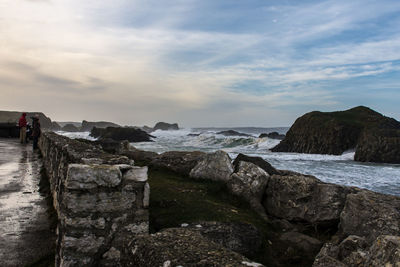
[13, 117]
[335, 132]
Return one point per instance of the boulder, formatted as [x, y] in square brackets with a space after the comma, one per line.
[272, 135]
[379, 146]
[70, 128]
[121, 133]
[242, 238]
[249, 182]
[232, 133]
[336, 132]
[215, 166]
[306, 245]
[109, 145]
[369, 214]
[87, 126]
[165, 126]
[260, 162]
[305, 198]
[178, 161]
[180, 247]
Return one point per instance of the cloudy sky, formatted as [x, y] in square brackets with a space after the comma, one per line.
[198, 62]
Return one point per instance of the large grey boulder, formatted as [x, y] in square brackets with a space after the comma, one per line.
[305, 198]
[242, 238]
[180, 247]
[178, 161]
[369, 214]
[301, 246]
[215, 166]
[249, 182]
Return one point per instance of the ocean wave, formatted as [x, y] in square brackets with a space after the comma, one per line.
[76, 135]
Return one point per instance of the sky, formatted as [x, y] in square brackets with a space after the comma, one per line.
[198, 62]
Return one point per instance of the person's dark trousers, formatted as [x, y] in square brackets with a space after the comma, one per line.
[35, 142]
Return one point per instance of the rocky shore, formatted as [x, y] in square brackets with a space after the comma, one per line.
[313, 223]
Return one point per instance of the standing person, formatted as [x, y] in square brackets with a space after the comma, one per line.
[22, 128]
[35, 131]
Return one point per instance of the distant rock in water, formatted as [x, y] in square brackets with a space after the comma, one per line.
[88, 125]
[121, 133]
[70, 128]
[165, 126]
[232, 133]
[272, 135]
[375, 137]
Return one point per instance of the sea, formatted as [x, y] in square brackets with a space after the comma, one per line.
[342, 169]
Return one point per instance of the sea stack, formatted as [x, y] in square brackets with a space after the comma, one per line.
[375, 137]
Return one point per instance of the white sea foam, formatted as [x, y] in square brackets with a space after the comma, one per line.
[75, 135]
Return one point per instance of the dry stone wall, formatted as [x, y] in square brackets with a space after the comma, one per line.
[101, 201]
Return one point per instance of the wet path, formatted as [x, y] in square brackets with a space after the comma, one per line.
[25, 234]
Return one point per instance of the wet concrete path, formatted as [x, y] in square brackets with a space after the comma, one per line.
[25, 234]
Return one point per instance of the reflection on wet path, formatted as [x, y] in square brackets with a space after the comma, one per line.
[25, 233]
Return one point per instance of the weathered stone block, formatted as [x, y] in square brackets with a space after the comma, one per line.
[91, 176]
[215, 166]
[87, 244]
[100, 202]
[137, 174]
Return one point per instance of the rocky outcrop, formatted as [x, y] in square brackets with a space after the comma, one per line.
[55, 126]
[165, 126]
[215, 166]
[121, 133]
[101, 201]
[372, 134]
[181, 162]
[232, 133]
[70, 128]
[242, 238]
[13, 117]
[181, 247]
[272, 135]
[87, 126]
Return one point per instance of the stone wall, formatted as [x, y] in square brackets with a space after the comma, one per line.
[101, 201]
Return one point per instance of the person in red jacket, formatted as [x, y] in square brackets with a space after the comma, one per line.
[22, 128]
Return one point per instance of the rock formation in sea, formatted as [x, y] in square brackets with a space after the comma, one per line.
[121, 133]
[165, 126]
[13, 117]
[375, 137]
[87, 126]
[272, 135]
[232, 133]
[70, 128]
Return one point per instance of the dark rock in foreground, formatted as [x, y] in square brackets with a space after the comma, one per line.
[165, 126]
[232, 133]
[375, 137]
[70, 128]
[181, 247]
[178, 161]
[272, 135]
[121, 133]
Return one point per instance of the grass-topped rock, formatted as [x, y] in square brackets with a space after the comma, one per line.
[375, 137]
